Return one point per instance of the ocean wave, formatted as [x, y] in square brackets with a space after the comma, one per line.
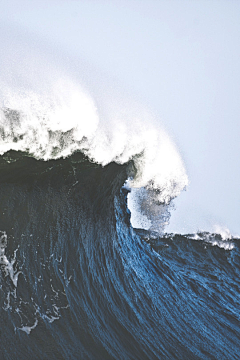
[43, 132]
[49, 112]
[84, 284]
[80, 171]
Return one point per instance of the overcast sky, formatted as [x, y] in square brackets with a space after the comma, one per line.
[181, 58]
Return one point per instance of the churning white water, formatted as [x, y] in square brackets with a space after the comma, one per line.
[47, 112]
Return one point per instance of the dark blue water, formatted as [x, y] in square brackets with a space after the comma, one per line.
[78, 282]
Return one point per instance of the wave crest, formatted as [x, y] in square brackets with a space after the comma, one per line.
[50, 115]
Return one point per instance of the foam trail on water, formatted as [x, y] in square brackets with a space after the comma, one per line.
[7, 265]
[28, 329]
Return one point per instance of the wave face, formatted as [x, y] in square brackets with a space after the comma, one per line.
[78, 282]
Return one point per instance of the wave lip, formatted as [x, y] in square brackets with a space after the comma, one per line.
[222, 240]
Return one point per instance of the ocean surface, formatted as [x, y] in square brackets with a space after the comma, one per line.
[78, 282]
[86, 268]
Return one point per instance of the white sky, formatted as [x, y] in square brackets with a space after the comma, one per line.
[181, 58]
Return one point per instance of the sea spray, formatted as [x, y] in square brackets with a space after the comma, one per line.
[50, 113]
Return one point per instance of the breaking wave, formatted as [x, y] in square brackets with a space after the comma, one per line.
[87, 272]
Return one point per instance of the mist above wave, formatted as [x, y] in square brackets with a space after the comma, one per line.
[48, 112]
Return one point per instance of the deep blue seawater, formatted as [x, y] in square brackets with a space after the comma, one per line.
[78, 282]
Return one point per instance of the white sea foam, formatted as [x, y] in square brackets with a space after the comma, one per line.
[65, 119]
[57, 116]
[221, 237]
[28, 329]
[8, 266]
[224, 232]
